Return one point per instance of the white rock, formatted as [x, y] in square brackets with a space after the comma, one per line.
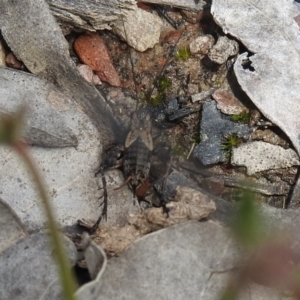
[260, 156]
[86, 72]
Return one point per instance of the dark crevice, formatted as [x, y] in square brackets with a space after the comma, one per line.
[247, 63]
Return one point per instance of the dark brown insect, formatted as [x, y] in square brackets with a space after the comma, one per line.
[138, 149]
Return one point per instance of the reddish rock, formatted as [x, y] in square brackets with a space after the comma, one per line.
[143, 6]
[297, 19]
[213, 185]
[13, 62]
[172, 36]
[93, 52]
[228, 103]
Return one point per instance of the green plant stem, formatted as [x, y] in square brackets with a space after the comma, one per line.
[65, 272]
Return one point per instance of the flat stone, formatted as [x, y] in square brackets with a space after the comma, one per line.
[228, 103]
[260, 156]
[44, 125]
[29, 271]
[202, 95]
[214, 127]
[204, 249]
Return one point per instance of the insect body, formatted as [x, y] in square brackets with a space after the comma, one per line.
[138, 149]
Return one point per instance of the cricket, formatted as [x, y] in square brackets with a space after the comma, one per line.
[142, 157]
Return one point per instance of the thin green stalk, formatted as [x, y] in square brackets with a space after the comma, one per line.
[65, 272]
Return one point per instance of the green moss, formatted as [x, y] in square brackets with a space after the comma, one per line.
[183, 53]
[243, 117]
[178, 150]
[156, 100]
[163, 84]
[230, 141]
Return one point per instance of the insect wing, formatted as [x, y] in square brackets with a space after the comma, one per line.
[131, 137]
[147, 139]
[143, 134]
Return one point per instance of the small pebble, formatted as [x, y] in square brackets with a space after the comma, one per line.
[13, 62]
[202, 95]
[192, 16]
[202, 44]
[172, 36]
[86, 72]
[223, 49]
[228, 103]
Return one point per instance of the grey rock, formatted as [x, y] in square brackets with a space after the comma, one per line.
[266, 76]
[223, 49]
[173, 260]
[28, 270]
[12, 230]
[94, 256]
[295, 199]
[208, 256]
[44, 124]
[202, 44]
[202, 95]
[68, 172]
[39, 43]
[213, 128]
[120, 200]
[277, 188]
[92, 15]
[259, 156]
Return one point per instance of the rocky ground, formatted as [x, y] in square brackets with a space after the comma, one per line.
[219, 128]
